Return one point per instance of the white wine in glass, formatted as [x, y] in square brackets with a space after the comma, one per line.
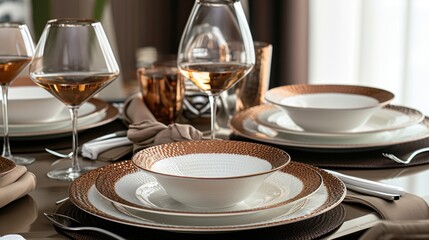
[16, 52]
[73, 61]
[216, 50]
[214, 78]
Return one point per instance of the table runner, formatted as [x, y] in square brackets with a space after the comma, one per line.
[371, 159]
[307, 229]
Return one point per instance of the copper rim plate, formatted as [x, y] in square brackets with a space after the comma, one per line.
[83, 194]
[126, 185]
[277, 94]
[244, 124]
[6, 166]
[389, 118]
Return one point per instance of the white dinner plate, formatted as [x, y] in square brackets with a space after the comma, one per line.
[83, 194]
[243, 124]
[391, 117]
[31, 104]
[88, 109]
[128, 186]
[94, 113]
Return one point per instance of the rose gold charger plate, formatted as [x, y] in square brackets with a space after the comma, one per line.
[83, 194]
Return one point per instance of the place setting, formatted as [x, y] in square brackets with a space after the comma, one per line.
[165, 187]
[50, 118]
[321, 124]
[313, 118]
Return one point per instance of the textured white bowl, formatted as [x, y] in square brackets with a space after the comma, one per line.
[211, 173]
[31, 104]
[328, 108]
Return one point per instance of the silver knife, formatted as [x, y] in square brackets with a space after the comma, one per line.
[383, 195]
[368, 184]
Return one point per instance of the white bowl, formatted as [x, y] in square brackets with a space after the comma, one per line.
[31, 104]
[328, 108]
[211, 173]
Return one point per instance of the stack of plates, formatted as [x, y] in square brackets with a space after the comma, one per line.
[91, 114]
[122, 193]
[388, 126]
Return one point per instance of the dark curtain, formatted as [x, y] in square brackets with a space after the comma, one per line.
[159, 23]
[284, 24]
[143, 23]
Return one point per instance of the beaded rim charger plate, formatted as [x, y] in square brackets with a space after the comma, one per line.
[83, 194]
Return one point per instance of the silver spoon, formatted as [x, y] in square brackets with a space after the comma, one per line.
[70, 224]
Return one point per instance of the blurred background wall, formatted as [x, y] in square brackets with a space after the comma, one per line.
[380, 43]
[143, 23]
[160, 24]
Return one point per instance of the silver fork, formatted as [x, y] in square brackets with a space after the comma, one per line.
[71, 224]
[408, 159]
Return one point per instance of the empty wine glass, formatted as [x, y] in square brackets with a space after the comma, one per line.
[216, 50]
[73, 61]
[16, 51]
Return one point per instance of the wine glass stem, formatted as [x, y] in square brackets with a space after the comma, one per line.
[6, 146]
[75, 157]
[213, 99]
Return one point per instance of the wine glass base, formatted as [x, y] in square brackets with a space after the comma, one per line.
[68, 174]
[20, 160]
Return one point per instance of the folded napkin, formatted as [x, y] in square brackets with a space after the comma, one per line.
[418, 229]
[16, 184]
[408, 207]
[145, 131]
[92, 150]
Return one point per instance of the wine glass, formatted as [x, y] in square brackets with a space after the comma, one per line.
[216, 49]
[73, 61]
[16, 51]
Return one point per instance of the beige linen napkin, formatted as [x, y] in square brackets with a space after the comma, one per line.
[16, 184]
[418, 229]
[12, 176]
[408, 207]
[145, 131]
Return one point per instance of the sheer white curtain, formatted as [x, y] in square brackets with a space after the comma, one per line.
[380, 43]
